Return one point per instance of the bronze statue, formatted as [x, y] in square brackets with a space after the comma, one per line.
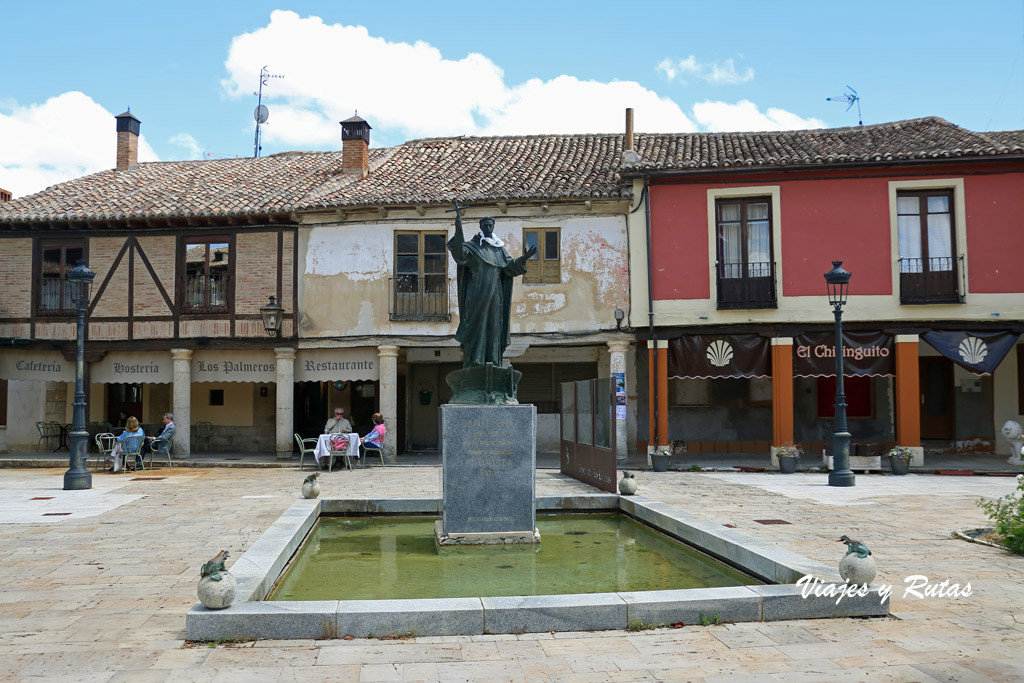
[854, 546]
[485, 275]
[215, 566]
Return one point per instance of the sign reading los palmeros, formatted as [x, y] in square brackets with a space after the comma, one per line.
[234, 366]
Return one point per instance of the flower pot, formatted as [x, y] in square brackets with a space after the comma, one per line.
[659, 461]
[787, 464]
[899, 465]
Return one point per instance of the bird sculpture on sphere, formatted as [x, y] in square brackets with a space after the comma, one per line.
[854, 546]
[311, 479]
[214, 567]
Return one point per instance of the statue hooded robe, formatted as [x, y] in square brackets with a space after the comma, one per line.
[484, 277]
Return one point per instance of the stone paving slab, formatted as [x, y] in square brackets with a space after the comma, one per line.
[64, 585]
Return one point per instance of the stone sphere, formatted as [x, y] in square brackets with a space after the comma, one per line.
[217, 594]
[858, 570]
[310, 489]
[627, 486]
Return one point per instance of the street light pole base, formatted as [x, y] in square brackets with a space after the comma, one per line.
[841, 478]
[77, 480]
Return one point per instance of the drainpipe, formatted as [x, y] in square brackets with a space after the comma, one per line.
[650, 317]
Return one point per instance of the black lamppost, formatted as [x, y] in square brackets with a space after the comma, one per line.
[838, 281]
[78, 476]
[272, 314]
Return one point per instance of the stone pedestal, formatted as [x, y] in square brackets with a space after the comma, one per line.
[489, 460]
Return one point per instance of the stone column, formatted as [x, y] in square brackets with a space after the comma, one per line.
[617, 365]
[389, 397]
[181, 401]
[782, 395]
[285, 391]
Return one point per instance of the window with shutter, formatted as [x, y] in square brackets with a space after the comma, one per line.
[545, 266]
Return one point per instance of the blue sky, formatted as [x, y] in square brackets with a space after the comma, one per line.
[420, 69]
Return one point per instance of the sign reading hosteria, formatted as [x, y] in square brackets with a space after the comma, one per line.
[327, 365]
[133, 367]
[864, 353]
[37, 366]
[725, 355]
[234, 366]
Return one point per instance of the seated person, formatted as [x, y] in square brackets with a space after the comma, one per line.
[375, 439]
[131, 428]
[167, 433]
[122, 420]
[338, 424]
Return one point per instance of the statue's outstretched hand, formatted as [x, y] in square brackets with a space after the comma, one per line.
[529, 252]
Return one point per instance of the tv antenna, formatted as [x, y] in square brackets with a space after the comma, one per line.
[261, 114]
[853, 98]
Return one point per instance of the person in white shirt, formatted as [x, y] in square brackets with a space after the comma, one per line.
[338, 424]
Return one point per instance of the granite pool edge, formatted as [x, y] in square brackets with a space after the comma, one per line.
[251, 617]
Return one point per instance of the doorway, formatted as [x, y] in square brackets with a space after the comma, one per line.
[126, 397]
[936, 375]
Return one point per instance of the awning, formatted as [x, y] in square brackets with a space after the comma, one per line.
[867, 354]
[234, 366]
[722, 355]
[979, 352]
[37, 366]
[328, 365]
[133, 367]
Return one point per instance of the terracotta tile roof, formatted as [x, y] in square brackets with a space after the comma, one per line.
[928, 138]
[476, 169]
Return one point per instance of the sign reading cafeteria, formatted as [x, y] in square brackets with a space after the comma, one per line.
[327, 365]
[39, 366]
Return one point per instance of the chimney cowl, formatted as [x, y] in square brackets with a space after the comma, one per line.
[355, 146]
[128, 127]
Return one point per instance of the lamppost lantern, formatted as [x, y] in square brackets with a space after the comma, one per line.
[78, 476]
[81, 279]
[838, 282]
[272, 314]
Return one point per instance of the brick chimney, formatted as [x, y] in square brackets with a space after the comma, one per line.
[355, 146]
[5, 195]
[127, 140]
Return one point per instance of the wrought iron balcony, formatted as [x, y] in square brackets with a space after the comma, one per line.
[746, 285]
[931, 281]
[419, 298]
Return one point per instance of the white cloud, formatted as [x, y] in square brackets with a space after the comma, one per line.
[189, 143]
[409, 91]
[67, 136]
[745, 116]
[719, 73]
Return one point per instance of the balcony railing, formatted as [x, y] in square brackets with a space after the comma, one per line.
[932, 281]
[746, 285]
[419, 298]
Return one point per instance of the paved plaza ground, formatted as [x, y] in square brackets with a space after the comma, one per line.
[100, 594]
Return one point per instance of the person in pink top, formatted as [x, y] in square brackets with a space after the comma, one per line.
[375, 439]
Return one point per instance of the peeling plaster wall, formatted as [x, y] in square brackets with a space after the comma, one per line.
[345, 284]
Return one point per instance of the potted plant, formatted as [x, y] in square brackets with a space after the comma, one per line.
[899, 459]
[659, 460]
[788, 458]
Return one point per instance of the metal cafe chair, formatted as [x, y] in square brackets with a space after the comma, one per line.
[203, 431]
[163, 447]
[379, 450]
[339, 449]
[104, 445]
[131, 447]
[304, 448]
[47, 431]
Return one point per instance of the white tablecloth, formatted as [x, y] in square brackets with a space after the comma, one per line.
[323, 445]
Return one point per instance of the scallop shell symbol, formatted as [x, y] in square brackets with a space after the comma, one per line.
[973, 350]
[719, 353]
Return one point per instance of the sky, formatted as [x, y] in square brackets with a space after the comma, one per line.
[189, 71]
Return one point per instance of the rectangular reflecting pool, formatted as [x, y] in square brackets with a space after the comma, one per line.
[387, 558]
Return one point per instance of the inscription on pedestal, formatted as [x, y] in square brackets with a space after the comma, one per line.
[489, 456]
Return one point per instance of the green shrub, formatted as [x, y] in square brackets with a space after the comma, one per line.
[1008, 515]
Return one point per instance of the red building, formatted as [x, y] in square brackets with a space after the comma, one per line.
[928, 217]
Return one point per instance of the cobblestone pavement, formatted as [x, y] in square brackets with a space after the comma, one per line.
[103, 597]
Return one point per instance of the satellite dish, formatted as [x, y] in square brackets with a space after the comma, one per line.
[261, 114]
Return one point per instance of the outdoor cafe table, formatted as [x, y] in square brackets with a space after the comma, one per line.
[323, 446]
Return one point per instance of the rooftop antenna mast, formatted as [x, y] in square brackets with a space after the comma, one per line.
[853, 98]
[262, 113]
